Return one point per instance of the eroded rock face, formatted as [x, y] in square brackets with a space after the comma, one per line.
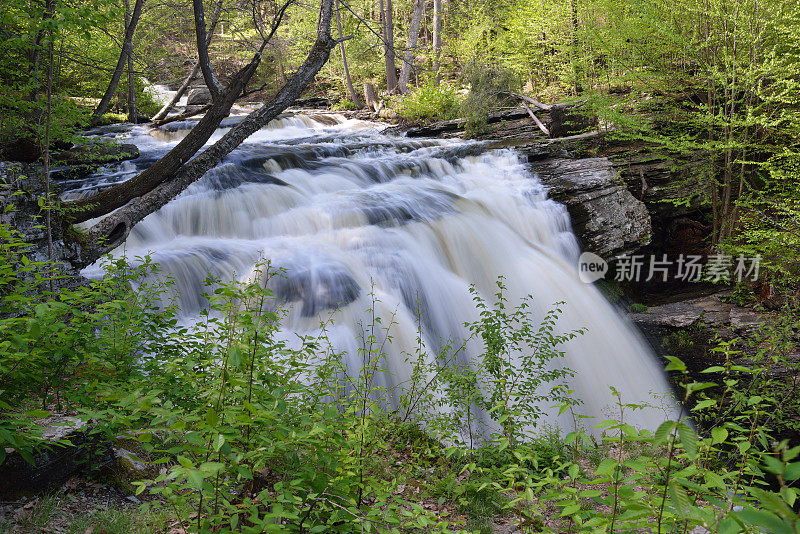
[606, 217]
[21, 187]
[673, 194]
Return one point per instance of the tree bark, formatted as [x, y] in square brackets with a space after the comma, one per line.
[132, 115]
[50, 8]
[195, 70]
[202, 50]
[163, 186]
[413, 36]
[575, 57]
[371, 96]
[388, 44]
[437, 36]
[126, 50]
[347, 79]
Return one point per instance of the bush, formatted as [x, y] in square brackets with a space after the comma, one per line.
[252, 433]
[488, 85]
[429, 102]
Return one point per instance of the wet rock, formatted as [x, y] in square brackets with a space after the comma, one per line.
[312, 102]
[605, 216]
[673, 196]
[21, 188]
[67, 446]
[198, 96]
[674, 315]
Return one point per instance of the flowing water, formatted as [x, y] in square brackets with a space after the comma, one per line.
[350, 213]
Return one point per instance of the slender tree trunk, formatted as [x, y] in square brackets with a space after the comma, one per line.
[150, 195]
[353, 95]
[437, 37]
[178, 94]
[202, 49]
[126, 50]
[187, 82]
[50, 8]
[413, 36]
[387, 34]
[132, 115]
[576, 70]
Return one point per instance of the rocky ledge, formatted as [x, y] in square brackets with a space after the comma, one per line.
[605, 215]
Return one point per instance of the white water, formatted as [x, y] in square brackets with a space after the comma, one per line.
[346, 210]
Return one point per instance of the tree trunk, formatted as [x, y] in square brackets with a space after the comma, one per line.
[195, 70]
[437, 36]
[575, 57]
[388, 44]
[202, 50]
[132, 115]
[50, 8]
[348, 80]
[413, 36]
[371, 96]
[163, 185]
[126, 50]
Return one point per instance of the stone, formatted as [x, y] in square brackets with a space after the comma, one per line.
[607, 219]
[67, 447]
[198, 96]
[21, 187]
[674, 315]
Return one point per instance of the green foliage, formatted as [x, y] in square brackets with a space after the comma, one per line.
[487, 87]
[250, 432]
[430, 102]
[637, 307]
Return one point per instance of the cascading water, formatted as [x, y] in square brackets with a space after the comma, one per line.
[349, 213]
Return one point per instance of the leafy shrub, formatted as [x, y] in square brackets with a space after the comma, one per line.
[253, 433]
[430, 102]
[488, 88]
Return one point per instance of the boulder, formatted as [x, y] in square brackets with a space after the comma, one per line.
[607, 219]
[198, 96]
[67, 446]
[21, 149]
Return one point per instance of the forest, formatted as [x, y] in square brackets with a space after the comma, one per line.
[470, 266]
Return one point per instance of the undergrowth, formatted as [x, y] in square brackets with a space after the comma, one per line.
[251, 432]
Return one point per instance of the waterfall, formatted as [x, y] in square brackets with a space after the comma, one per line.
[353, 215]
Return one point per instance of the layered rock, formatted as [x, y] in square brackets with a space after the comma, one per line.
[605, 215]
[21, 189]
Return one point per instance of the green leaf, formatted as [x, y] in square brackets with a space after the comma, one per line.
[728, 525]
[219, 441]
[675, 364]
[662, 433]
[195, 478]
[234, 357]
[570, 509]
[606, 467]
[211, 417]
[792, 471]
[718, 435]
[764, 519]
[679, 498]
[688, 439]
